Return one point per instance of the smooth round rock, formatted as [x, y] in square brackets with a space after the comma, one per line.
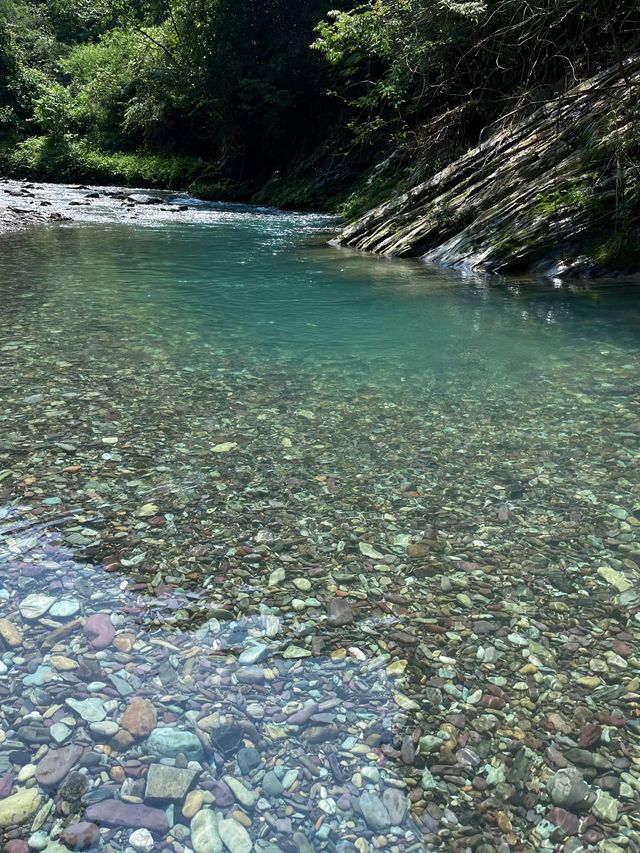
[35, 606]
[204, 832]
[234, 836]
[38, 840]
[170, 741]
[142, 840]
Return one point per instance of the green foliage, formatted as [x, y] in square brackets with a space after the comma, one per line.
[116, 91]
[575, 194]
[402, 59]
[392, 54]
[369, 194]
[47, 158]
[244, 84]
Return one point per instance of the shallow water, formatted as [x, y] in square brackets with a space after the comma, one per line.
[344, 511]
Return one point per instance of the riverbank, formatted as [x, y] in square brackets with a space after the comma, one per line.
[26, 204]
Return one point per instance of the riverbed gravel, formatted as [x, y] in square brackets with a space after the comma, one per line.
[242, 609]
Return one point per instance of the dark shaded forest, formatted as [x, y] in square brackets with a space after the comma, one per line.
[312, 103]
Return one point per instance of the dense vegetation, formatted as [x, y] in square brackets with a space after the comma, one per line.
[292, 100]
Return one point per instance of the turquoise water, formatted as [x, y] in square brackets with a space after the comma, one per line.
[218, 435]
[266, 286]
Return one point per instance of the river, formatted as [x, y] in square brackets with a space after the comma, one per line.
[302, 549]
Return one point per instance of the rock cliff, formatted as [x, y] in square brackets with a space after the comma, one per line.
[557, 191]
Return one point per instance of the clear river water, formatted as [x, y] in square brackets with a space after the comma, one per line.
[307, 550]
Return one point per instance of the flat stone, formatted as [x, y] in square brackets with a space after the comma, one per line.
[254, 654]
[56, 764]
[339, 613]
[242, 794]
[614, 578]
[43, 675]
[588, 758]
[289, 778]
[168, 783]
[304, 714]
[169, 742]
[605, 808]
[567, 821]
[250, 675]
[134, 815]
[63, 664]
[224, 447]
[59, 732]
[396, 804]
[18, 808]
[271, 785]
[91, 710]
[10, 634]
[35, 606]
[369, 551]
[65, 608]
[140, 717]
[234, 836]
[320, 734]
[204, 832]
[374, 811]
[303, 844]
[248, 760]
[106, 728]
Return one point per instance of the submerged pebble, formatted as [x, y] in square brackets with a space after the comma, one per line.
[272, 604]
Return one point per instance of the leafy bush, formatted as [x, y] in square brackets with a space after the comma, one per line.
[47, 158]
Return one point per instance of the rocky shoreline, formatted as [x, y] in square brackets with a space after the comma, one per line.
[26, 204]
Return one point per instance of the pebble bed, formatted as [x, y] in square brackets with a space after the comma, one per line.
[242, 609]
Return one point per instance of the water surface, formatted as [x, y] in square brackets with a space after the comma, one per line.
[348, 517]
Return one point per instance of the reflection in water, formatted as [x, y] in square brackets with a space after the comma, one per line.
[302, 550]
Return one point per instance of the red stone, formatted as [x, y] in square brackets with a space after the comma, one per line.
[134, 815]
[140, 718]
[16, 847]
[80, 836]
